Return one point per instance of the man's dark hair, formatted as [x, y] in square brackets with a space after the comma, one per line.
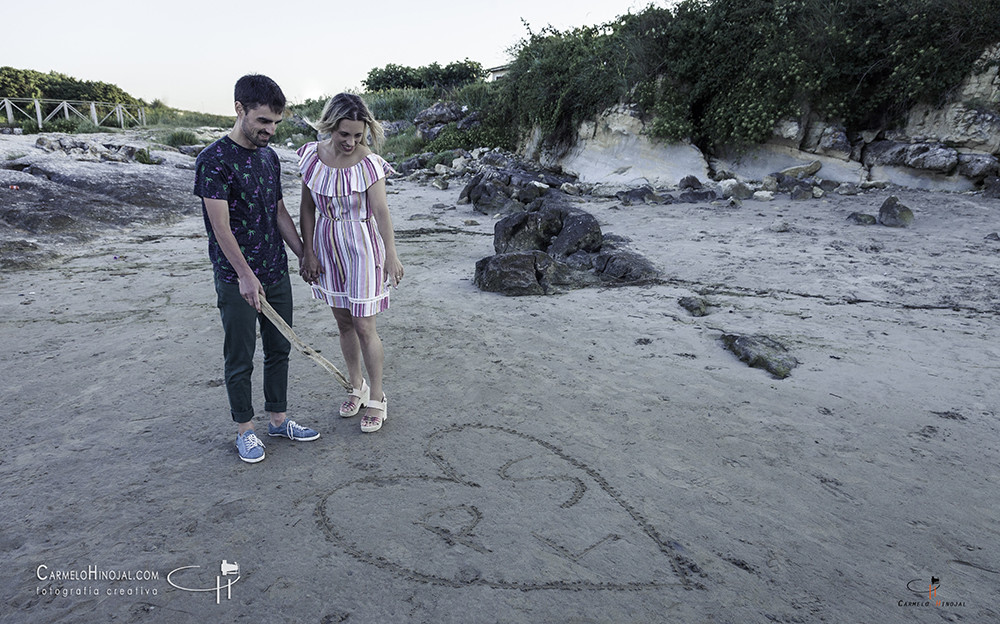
[255, 90]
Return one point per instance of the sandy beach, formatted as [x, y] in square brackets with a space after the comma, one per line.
[590, 456]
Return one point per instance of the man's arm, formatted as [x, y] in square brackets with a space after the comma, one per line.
[218, 216]
[288, 231]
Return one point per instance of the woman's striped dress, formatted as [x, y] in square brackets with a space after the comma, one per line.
[347, 240]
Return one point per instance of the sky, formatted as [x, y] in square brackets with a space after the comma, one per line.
[189, 53]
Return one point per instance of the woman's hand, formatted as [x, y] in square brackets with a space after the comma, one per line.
[393, 270]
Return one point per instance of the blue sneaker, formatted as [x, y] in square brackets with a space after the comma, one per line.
[291, 430]
[250, 447]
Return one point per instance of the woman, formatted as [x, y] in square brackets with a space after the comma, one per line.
[349, 252]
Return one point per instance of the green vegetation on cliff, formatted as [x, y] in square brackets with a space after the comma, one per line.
[724, 71]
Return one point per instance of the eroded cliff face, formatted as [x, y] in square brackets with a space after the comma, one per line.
[615, 149]
[967, 122]
[951, 148]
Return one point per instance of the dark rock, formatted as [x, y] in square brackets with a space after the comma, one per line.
[761, 352]
[800, 193]
[511, 274]
[191, 150]
[859, 218]
[694, 197]
[991, 187]
[548, 226]
[639, 195]
[931, 157]
[829, 186]
[438, 114]
[894, 214]
[690, 182]
[890, 153]
[429, 133]
[415, 163]
[978, 166]
[473, 120]
[993, 236]
[801, 172]
[561, 246]
[392, 128]
[696, 306]
[624, 266]
[522, 273]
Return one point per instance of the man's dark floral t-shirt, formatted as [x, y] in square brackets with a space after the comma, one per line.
[250, 180]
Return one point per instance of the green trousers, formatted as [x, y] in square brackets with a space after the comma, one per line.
[239, 321]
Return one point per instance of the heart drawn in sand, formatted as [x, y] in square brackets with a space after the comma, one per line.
[506, 510]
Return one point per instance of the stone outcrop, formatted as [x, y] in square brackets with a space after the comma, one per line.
[761, 352]
[952, 148]
[614, 149]
[432, 121]
[894, 214]
[551, 247]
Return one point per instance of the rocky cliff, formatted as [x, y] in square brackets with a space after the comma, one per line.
[954, 147]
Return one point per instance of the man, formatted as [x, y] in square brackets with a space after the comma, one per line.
[238, 179]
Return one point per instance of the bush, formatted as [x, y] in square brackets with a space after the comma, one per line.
[433, 76]
[178, 138]
[398, 104]
[142, 156]
[485, 135]
[725, 71]
[403, 145]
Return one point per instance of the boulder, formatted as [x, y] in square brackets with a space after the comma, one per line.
[800, 193]
[550, 227]
[690, 182]
[696, 306]
[523, 273]
[991, 187]
[889, 153]
[694, 197]
[802, 171]
[440, 113]
[735, 189]
[761, 352]
[894, 214]
[622, 265]
[978, 166]
[936, 158]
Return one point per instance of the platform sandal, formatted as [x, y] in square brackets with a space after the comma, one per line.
[371, 423]
[350, 407]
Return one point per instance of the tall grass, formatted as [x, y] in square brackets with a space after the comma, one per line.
[398, 104]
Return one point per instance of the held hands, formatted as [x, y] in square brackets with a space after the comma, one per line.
[310, 268]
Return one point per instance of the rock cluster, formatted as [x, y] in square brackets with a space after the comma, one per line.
[550, 247]
[543, 245]
[93, 151]
[432, 121]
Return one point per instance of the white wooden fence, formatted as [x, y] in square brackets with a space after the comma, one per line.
[121, 112]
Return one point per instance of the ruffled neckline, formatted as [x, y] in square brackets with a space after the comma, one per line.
[336, 181]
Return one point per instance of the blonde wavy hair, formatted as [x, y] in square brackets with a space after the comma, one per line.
[352, 107]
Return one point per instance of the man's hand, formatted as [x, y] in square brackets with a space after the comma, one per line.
[251, 290]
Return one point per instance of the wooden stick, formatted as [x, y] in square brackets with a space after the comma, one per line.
[305, 349]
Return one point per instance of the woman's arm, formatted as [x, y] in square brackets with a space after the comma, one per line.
[393, 269]
[309, 264]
